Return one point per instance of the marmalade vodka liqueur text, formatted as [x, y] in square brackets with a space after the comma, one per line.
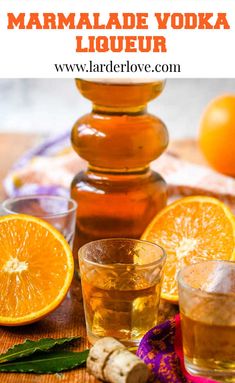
[118, 21]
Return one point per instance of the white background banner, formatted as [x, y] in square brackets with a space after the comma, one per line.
[34, 51]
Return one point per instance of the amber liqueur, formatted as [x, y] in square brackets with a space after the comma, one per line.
[118, 194]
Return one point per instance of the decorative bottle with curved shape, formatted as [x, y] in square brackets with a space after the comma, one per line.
[118, 194]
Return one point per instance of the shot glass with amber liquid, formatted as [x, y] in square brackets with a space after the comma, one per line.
[207, 309]
[121, 284]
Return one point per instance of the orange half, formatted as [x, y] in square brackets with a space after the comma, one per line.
[192, 229]
[36, 269]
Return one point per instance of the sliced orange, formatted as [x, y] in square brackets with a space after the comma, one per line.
[192, 229]
[36, 269]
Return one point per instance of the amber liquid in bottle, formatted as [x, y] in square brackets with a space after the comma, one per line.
[118, 194]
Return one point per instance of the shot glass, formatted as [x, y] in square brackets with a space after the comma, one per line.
[60, 212]
[207, 309]
[121, 283]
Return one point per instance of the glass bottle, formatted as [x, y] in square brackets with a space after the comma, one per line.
[118, 194]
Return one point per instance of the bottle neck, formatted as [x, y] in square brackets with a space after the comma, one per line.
[134, 171]
[119, 110]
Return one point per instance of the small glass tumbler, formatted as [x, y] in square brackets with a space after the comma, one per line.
[60, 212]
[207, 309]
[121, 283]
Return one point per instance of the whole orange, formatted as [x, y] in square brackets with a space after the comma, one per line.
[217, 134]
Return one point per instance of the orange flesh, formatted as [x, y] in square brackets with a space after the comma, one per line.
[36, 269]
[191, 230]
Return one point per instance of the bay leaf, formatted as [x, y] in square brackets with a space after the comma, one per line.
[29, 347]
[47, 363]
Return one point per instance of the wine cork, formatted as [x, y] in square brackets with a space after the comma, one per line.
[110, 361]
[125, 367]
[99, 354]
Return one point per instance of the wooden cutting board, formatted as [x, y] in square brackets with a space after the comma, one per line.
[68, 320]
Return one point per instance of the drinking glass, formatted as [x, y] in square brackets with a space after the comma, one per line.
[121, 283]
[207, 309]
[60, 212]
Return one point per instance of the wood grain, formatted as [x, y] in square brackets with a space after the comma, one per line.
[68, 319]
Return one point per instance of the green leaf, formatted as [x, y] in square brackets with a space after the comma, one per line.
[29, 347]
[47, 363]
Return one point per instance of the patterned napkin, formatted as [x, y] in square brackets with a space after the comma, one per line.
[50, 167]
[161, 350]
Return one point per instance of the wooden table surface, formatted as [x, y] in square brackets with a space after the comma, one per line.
[68, 319]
